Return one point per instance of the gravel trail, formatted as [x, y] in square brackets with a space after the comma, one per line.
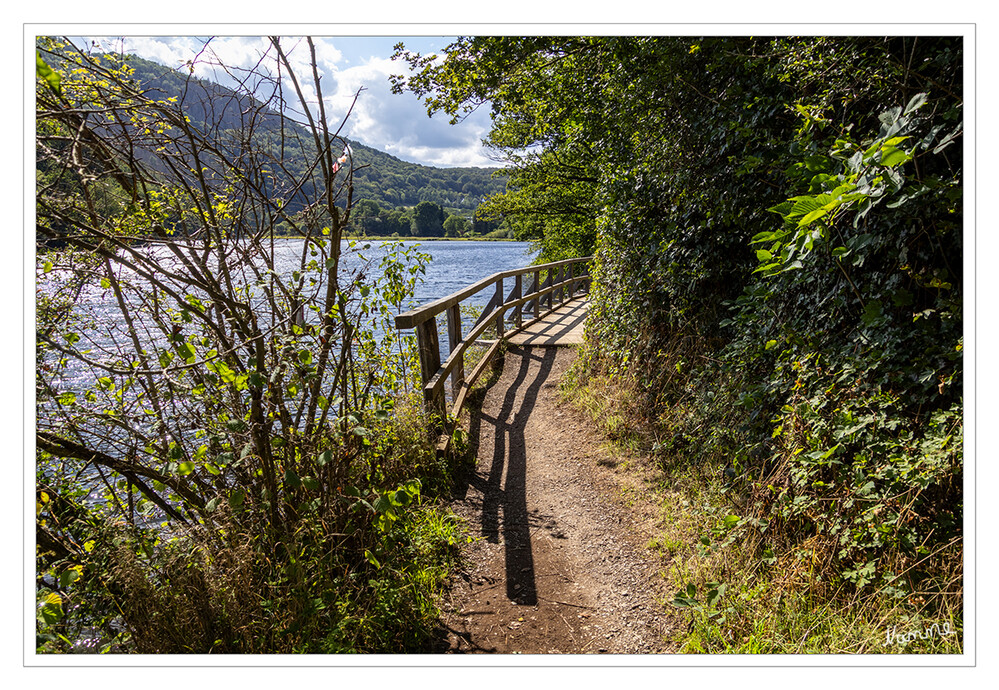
[559, 565]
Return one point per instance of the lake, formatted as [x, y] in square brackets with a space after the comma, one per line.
[453, 265]
[457, 264]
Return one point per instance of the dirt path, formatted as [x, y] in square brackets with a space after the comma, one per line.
[560, 567]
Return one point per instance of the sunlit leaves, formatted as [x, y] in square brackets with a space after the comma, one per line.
[50, 609]
[854, 178]
[46, 73]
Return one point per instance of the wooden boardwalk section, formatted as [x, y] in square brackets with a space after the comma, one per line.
[545, 306]
[560, 328]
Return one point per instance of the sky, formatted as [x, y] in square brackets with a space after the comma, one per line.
[397, 124]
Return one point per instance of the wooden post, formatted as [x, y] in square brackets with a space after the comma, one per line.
[500, 329]
[518, 311]
[537, 300]
[454, 339]
[430, 362]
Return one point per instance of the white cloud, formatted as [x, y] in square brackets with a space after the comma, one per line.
[398, 123]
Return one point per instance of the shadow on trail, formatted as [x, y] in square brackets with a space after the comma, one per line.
[509, 497]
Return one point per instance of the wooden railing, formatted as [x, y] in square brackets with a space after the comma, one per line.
[548, 286]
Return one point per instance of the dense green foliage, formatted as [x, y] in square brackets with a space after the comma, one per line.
[778, 231]
[230, 456]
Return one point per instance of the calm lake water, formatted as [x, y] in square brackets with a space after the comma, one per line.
[453, 265]
[457, 264]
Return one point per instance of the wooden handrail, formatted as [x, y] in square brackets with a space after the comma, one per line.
[558, 287]
[414, 317]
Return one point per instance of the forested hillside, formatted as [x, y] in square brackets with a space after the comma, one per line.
[394, 185]
[778, 226]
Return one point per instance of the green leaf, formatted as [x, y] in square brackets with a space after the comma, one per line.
[816, 163]
[384, 503]
[892, 157]
[716, 592]
[781, 209]
[812, 216]
[872, 312]
[68, 577]
[681, 601]
[50, 608]
[768, 268]
[47, 74]
[915, 103]
[949, 139]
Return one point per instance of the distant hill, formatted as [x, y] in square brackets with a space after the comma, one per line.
[390, 182]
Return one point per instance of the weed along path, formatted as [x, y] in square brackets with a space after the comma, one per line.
[559, 565]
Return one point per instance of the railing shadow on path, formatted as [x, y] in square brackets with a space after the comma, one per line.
[562, 326]
[508, 495]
